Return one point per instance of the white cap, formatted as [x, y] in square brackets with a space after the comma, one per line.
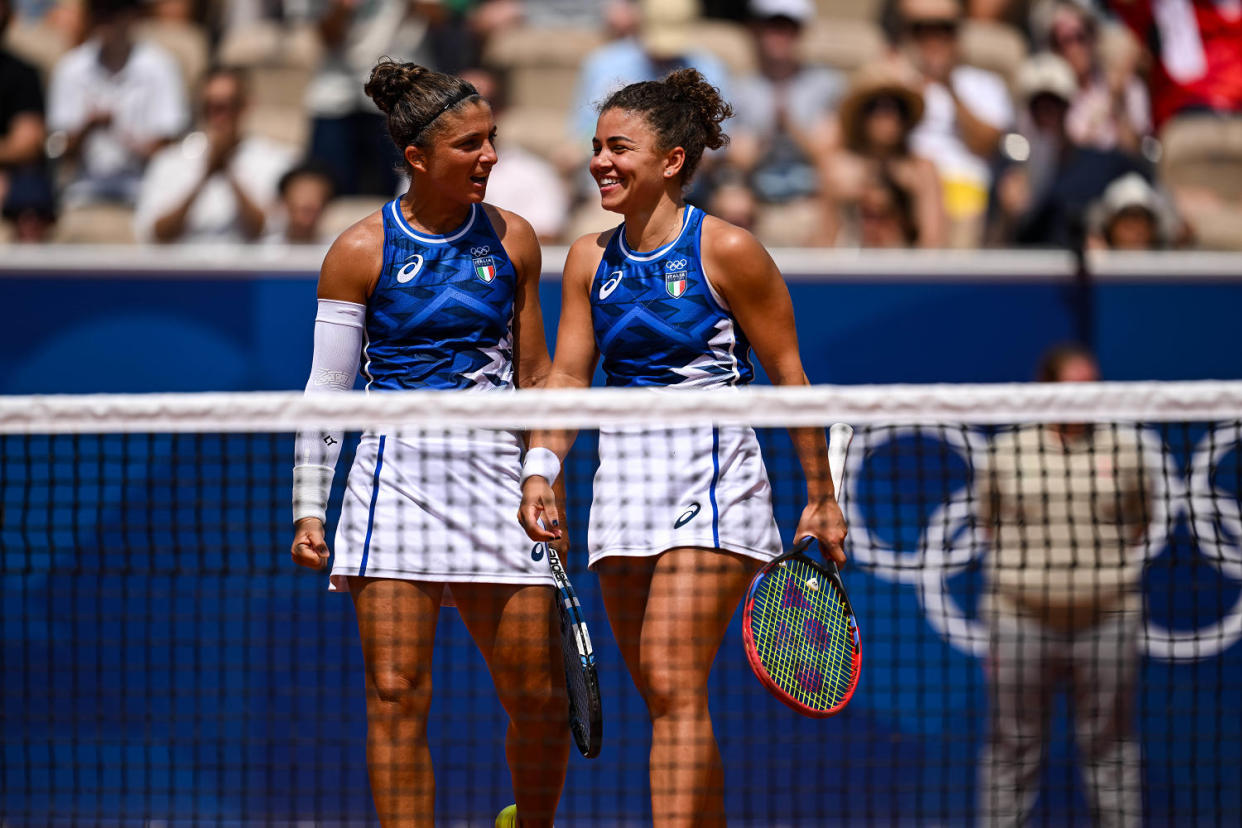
[799, 11]
[1046, 73]
[1130, 190]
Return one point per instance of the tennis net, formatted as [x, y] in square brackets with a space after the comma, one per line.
[1047, 578]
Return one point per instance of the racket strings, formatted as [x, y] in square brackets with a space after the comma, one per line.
[580, 697]
[805, 635]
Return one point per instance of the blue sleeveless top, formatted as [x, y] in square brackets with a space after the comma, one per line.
[659, 322]
[441, 315]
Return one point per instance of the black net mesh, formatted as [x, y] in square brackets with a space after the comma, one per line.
[1048, 626]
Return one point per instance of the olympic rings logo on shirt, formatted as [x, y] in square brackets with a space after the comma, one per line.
[948, 543]
[481, 250]
[674, 265]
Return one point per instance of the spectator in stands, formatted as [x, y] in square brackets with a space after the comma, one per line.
[1042, 200]
[1132, 215]
[664, 43]
[733, 200]
[520, 172]
[1110, 107]
[1196, 95]
[886, 215]
[783, 112]
[966, 111]
[25, 192]
[616, 18]
[112, 103]
[875, 164]
[1197, 65]
[348, 134]
[217, 184]
[304, 192]
[1065, 508]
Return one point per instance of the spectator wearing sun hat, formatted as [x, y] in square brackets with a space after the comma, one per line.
[878, 116]
[1132, 215]
[1044, 188]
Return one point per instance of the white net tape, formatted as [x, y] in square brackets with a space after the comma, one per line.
[758, 406]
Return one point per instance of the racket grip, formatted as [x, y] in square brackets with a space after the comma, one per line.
[839, 437]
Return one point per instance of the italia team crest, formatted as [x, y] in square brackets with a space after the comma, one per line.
[675, 277]
[485, 268]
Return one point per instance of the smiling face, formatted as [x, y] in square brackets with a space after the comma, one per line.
[628, 164]
[458, 159]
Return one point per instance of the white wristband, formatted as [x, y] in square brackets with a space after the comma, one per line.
[541, 462]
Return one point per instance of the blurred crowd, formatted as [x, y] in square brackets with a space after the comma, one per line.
[858, 123]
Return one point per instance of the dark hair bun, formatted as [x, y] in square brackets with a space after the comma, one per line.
[689, 87]
[391, 82]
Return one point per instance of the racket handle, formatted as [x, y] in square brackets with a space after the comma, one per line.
[839, 437]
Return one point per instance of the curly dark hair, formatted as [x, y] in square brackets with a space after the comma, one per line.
[414, 97]
[683, 109]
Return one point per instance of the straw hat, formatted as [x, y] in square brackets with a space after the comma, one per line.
[667, 27]
[871, 81]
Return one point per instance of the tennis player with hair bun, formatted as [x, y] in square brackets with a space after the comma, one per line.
[442, 289]
[681, 517]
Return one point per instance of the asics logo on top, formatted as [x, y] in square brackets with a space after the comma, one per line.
[481, 250]
[411, 268]
[674, 265]
[536, 551]
[608, 287]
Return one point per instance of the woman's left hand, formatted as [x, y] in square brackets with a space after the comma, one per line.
[824, 522]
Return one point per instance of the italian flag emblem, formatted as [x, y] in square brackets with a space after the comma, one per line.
[675, 284]
[485, 268]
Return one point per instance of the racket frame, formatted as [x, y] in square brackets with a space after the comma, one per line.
[588, 735]
[827, 569]
[840, 436]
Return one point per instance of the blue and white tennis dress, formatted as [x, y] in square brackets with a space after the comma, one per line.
[659, 322]
[438, 506]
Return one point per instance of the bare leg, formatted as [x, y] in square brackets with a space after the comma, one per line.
[397, 624]
[669, 614]
[515, 628]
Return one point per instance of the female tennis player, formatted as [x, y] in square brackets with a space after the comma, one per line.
[681, 517]
[442, 289]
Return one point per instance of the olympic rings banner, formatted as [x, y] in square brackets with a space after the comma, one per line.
[1189, 496]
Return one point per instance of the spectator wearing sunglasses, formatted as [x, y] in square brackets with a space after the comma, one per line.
[217, 184]
[967, 109]
[1042, 195]
[1111, 108]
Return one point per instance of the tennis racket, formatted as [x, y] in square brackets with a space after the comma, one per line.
[801, 635]
[586, 714]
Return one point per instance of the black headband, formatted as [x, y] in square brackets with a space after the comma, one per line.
[452, 102]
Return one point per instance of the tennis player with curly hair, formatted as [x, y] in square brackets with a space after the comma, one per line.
[681, 517]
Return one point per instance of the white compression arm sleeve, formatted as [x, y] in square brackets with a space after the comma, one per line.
[338, 346]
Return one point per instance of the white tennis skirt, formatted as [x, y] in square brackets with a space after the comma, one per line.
[437, 508]
[689, 486]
